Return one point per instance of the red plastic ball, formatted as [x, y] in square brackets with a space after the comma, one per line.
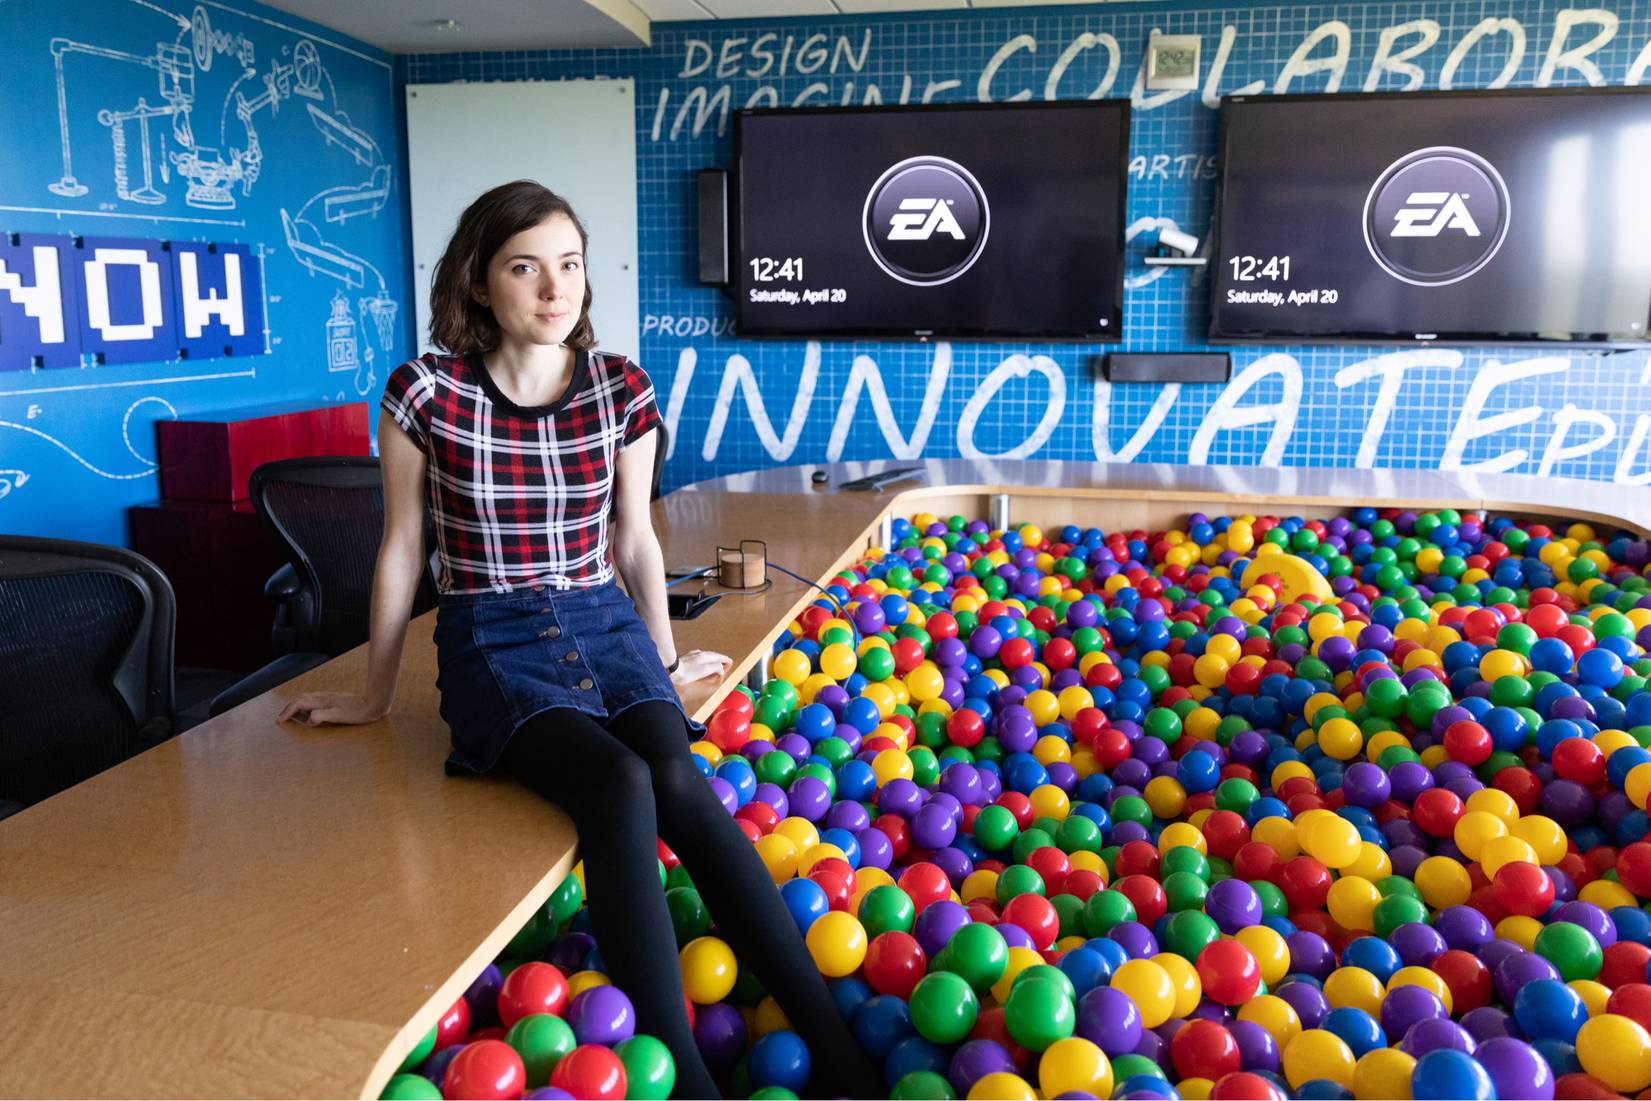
[925, 883]
[1225, 832]
[1053, 865]
[1625, 961]
[1137, 858]
[1082, 884]
[533, 987]
[590, 1071]
[1145, 894]
[1468, 979]
[1244, 1086]
[1582, 1087]
[1521, 887]
[1633, 863]
[1203, 1049]
[1037, 916]
[1632, 1000]
[1255, 860]
[894, 963]
[992, 1024]
[1579, 759]
[1436, 811]
[454, 1026]
[1305, 883]
[1229, 973]
[487, 1070]
[1468, 742]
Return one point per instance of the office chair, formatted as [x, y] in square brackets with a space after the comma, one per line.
[328, 514]
[660, 448]
[86, 634]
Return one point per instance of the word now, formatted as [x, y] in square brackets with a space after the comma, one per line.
[120, 300]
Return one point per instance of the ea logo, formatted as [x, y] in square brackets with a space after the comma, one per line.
[1435, 216]
[925, 221]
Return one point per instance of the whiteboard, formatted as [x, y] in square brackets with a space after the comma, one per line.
[577, 137]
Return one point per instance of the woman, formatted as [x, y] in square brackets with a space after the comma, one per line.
[535, 454]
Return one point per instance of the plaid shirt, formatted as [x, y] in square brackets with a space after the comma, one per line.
[520, 495]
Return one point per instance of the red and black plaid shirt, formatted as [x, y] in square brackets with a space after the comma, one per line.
[520, 495]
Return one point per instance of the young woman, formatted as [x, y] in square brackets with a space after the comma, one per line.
[534, 453]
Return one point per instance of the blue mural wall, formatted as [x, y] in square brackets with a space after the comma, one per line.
[165, 120]
[739, 405]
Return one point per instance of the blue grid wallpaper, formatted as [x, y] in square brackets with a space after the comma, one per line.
[740, 405]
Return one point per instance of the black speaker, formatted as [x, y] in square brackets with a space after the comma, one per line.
[713, 226]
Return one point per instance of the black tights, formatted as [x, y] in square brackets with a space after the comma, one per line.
[622, 785]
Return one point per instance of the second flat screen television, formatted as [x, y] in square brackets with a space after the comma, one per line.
[1001, 220]
[1470, 216]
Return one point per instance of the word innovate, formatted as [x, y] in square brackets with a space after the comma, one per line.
[121, 300]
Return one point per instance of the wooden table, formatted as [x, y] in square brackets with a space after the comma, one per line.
[261, 910]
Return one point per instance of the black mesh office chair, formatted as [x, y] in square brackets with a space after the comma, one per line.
[660, 448]
[86, 634]
[328, 513]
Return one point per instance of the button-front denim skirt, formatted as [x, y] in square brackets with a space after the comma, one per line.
[502, 658]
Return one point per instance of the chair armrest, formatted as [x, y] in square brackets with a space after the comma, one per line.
[277, 672]
[283, 585]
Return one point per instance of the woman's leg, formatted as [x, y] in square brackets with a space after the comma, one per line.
[567, 757]
[740, 894]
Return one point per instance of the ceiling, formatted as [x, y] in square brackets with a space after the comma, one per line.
[421, 26]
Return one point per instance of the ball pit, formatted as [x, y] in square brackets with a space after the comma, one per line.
[1257, 807]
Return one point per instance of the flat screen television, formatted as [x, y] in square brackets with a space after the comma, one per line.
[1485, 216]
[992, 220]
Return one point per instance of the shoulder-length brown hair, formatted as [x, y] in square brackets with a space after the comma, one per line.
[458, 323]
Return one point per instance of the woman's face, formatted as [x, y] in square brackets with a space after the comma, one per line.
[536, 283]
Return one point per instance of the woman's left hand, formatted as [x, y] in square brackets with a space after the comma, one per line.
[698, 664]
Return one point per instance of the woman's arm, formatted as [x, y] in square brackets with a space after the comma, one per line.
[636, 553]
[637, 557]
[401, 561]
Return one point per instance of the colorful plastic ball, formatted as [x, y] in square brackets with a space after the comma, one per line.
[1547, 1009]
[1449, 1075]
[1229, 972]
[838, 944]
[409, 1087]
[779, 1059]
[1149, 987]
[1002, 1086]
[1523, 888]
[1315, 1053]
[591, 1072]
[1516, 1069]
[602, 1015]
[1571, 949]
[1245, 1086]
[1110, 1019]
[650, 1072]
[1204, 1049]
[1074, 1066]
[708, 970]
[485, 1070]
[943, 1007]
[1617, 1051]
[1039, 1011]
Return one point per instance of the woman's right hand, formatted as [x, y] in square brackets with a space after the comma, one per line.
[345, 708]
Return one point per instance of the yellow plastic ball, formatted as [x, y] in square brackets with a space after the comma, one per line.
[1316, 1053]
[1544, 835]
[1617, 1051]
[1443, 882]
[1494, 801]
[1352, 903]
[1520, 929]
[1501, 663]
[1332, 840]
[1341, 739]
[1503, 850]
[1188, 986]
[1279, 834]
[779, 856]
[1149, 986]
[1274, 1014]
[1049, 801]
[1475, 829]
[800, 831]
[1166, 796]
[1356, 987]
[1373, 863]
[581, 981]
[1594, 995]
[1607, 895]
[1000, 1085]
[1178, 834]
[891, 764]
[1383, 1075]
[1272, 954]
[837, 941]
[838, 661]
[1074, 1065]
[708, 969]
[771, 1018]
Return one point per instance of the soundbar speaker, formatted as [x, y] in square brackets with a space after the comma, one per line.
[713, 226]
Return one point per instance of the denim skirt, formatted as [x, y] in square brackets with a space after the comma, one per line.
[502, 658]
